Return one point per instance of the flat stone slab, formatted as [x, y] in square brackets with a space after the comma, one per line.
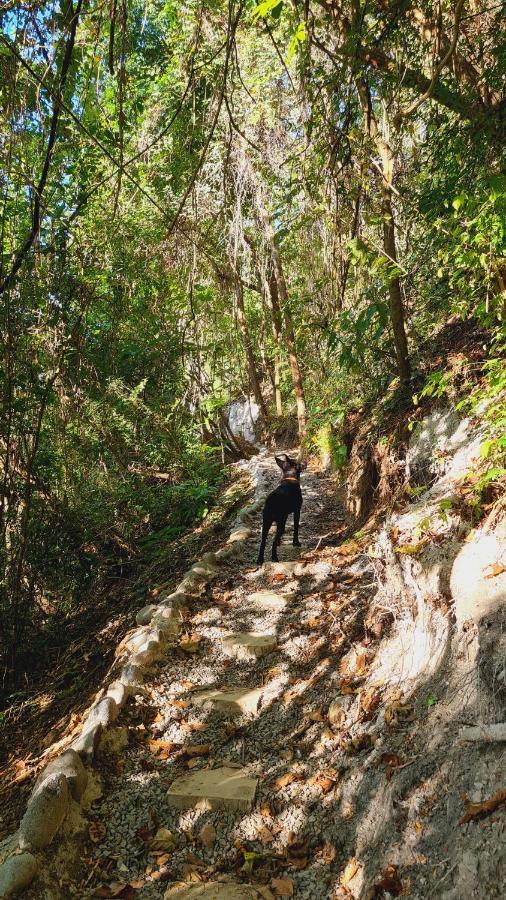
[249, 644]
[270, 600]
[223, 788]
[235, 701]
[213, 890]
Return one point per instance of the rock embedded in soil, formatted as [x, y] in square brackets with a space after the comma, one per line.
[225, 788]
[44, 814]
[234, 701]
[213, 890]
[249, 645]
[68, 764]
[17, 873]
[270, 600]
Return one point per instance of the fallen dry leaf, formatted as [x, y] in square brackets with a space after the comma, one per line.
[390, 881]
[96, 832]
[264, 835]
[193, 750]
[391, 759]
[496, 568]
[207, 835]
[283, 781]
[163, 840]
[190, 727]
[349, 872]
[324, 780]
[479, 810]
[191, 644]
[163, 749]
[369, 702]
[348, 549]
[180, 704]
[282, 887]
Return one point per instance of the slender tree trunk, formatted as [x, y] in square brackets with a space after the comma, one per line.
[389, 243]
[278, 291]
[253, 376]
[279, 295]
[277, 333]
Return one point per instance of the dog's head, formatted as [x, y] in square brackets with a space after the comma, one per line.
[290, 467]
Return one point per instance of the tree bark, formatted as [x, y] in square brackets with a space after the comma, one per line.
[389, 242]
[277, 290]
[251, 366]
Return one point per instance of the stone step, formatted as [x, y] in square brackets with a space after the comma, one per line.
[270, 600]
[215, 890]
[222, 788]
[249, 644]
[234, 701]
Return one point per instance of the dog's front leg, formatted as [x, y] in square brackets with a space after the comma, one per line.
[296, 520]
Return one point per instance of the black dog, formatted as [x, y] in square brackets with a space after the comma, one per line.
[286, 499]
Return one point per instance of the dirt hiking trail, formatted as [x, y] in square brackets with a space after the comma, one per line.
[267, 756]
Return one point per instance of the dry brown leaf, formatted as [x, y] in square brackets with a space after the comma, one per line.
[479, 810]
[316, 715]
[329, 853]
[282, 887]
[197, 750]
[191, 644]
[286, 755]
[390, 881]
[283, 781]
[190, 727]
[266, 811]
[349, 872]
[162, 841]
[162, 748]
[325, 780]
[369, 702]
[264, 835]
[180, 704]
[496, 568]
[96, 832]
[348, 549]
[207, 835]
[280, 576]
[391, 759]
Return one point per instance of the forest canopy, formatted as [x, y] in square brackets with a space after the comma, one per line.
[206, 200]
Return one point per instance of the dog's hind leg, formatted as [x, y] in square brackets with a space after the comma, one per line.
[265, 531]
[296, 520]
[280, 530]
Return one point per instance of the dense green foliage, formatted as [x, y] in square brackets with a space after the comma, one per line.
[205, 199]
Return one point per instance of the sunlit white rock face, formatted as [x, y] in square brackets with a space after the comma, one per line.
[242, 416]
[435, 440]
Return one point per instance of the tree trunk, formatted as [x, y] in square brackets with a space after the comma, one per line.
[389, 244]
[253, 376]
[277, 290]
[277, 333]
[394, 289]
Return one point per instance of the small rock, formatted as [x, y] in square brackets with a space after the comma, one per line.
[68, 764]
[44, 814]
[17, 873]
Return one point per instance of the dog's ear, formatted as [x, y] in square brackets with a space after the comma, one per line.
[282, 461]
